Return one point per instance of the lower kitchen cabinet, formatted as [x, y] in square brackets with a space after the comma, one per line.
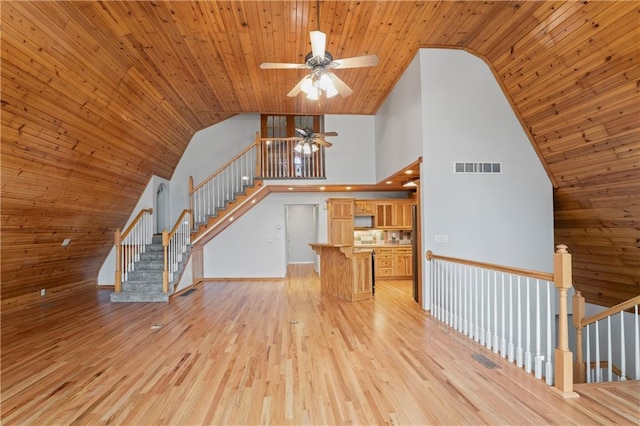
[394, 262]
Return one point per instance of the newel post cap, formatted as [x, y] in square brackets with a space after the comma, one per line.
[561, 248]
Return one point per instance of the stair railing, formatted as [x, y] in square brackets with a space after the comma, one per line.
[509, 311]
[602, 353]
[176, 245]
[220, 187]
[130, 244]
[287, 158]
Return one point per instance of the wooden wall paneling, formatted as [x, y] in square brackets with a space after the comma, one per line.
[104, 95]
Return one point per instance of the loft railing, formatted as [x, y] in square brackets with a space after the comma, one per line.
[130, 244]
[279, 159]
[176, 246]
[213, 193]
[510, 311]
[608, 344]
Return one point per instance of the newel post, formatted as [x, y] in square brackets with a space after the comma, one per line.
[118, 277]
[562, 276]
[579, 367]
[258, 149]
[165, 273]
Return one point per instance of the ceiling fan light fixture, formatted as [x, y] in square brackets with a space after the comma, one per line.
[313, 93]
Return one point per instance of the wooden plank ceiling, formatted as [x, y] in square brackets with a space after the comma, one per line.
[99, 96]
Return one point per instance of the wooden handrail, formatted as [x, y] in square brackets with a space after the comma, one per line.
[508, 269]
[175, 227]
[605, 364]
[611, 311]
[220, 169]
[135, 221]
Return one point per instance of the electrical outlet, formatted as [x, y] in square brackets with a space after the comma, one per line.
[43, 292]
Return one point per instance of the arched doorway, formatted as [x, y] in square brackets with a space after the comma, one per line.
[161, 209]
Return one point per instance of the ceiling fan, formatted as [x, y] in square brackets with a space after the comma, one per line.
[320, 63]
[308, 140]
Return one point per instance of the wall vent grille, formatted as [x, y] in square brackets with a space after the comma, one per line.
[468, 167]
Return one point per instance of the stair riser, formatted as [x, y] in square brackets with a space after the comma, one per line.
[137, 297]
[142, 287]
[145, 276]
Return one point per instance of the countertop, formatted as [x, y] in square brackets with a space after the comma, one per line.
[382, 245]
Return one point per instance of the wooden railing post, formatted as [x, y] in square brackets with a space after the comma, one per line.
[118, 277]
[562, 276]
[165, 273]
[258, 149]
[579, 367]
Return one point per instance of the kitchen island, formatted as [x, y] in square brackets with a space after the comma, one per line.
[345, 271]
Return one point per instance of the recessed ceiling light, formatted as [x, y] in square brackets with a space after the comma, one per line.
[290, 189]
[322, 188]
[253, 201]
[388, 182]
[348, 188]
[408, 172]
[231, 219]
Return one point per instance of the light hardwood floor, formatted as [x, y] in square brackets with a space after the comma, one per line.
[269, 352]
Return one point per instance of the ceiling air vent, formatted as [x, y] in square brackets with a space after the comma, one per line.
[475, 167]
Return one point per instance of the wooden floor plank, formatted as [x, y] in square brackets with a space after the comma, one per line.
[270, 352]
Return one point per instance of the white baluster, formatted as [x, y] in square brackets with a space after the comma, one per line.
[637, 347]
[495, 312]
[476, 331]
[447, 294]
[503, 340]
[609, 351]
[465, 297]
[488, 336]
[510, 348]
[438, 290]
[548, 371]
[527, 352]
[482, 292]
[598, 368]
[623, 355]
[537, 358]
[431, 287]
[519, 352]
[588, 351]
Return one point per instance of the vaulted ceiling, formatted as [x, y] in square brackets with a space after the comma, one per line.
[99, 96]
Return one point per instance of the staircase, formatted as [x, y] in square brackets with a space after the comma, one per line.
[231, 209]
[144, 283]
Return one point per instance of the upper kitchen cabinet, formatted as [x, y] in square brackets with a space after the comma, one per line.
[384, 214]
[340, 220]
[403, 214]
[394, 214]
[365, 208]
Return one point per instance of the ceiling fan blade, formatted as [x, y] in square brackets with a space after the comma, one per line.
[356, 62]
[318, 41]
[279, 65]
[302, 132]
[323, 142]
[297, 88]
[323, 134]
[340, 85]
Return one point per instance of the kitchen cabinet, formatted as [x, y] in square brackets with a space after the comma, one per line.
[364, 208]
[403, 262]
[340, 220]
[384, 214]
[384, 262]
[403, 216]
[394, 262]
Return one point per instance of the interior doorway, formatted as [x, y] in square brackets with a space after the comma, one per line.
[161, 209]
[301, 229]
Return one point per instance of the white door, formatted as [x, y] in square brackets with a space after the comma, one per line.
[302, 229]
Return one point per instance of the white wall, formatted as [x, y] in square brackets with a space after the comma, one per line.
[106, 275]
[398, 125]
[254, 246]
[208, 150]
[502, 218]
[449, 100]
